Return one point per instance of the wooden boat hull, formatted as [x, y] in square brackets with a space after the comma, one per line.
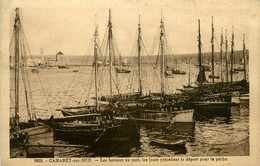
[178, 72]
[213, 110]
[214, 105]
[70, 113]
[63, 67]
[39, 135]
[178, 145]
[122, 131]
[168, 143]
[120, 70]
[190, 87]
[211, 76]
[165, 116]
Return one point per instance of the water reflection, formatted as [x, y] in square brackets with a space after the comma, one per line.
[210, 134]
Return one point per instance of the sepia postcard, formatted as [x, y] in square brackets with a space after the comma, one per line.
[130, 82]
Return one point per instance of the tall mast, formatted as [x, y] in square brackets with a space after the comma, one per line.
[212, 54]
[232, 54]
[139, 57]
[96, 66]
[110, 56]
[162, 59]
[221, 54]
[199, 54]
[244, 56]
[17, 62]
[226, 56]
[189, 73]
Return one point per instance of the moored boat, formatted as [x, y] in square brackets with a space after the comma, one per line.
[94, 128]
[94, 125]
[175, 71]
[122, 70]
[169, 144]
[31, 131]
[159, 107]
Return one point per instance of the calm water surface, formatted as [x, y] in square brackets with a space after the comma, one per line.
[63, 87]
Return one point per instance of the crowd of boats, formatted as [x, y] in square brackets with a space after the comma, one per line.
[118, 119]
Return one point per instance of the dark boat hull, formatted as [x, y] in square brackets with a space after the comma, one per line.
[178, 72]
[178, 146]
[207, 112]
[155, 116]
[39, 135]
[63, 67]
[120, 70]
[124, 131]
[211, 76]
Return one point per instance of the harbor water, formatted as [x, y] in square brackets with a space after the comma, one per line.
[54, 88]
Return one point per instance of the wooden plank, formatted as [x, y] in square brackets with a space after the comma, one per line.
[79, 125]
[151, 120]
[76, 117]
[155, 111]
[54, 145]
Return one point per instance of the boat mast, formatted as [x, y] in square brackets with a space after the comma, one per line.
[244, 48]
[221, 54]
[96, 66]
[232, 54]
[17, 62]
[199, 54]
[212, 54]
[226, 56]
[189, 73]
[110, 56]
[139, 57]
[162, 59]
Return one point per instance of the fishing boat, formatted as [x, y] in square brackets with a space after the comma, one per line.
[25, 134]
[169, 144]
[94, 125]
[172, 137]
[132, 97]
[212, 76]
[62, 67]
[177, 71]
[94, 128]
[122, 66]
[122, 70]
[189, 86]
[209, 98]
[158, 107]
[79, 110]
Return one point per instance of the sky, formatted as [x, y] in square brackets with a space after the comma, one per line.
[70, 27]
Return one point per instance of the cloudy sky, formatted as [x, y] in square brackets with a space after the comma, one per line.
[69, 27]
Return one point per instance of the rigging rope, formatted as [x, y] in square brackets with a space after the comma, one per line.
[36, 73]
